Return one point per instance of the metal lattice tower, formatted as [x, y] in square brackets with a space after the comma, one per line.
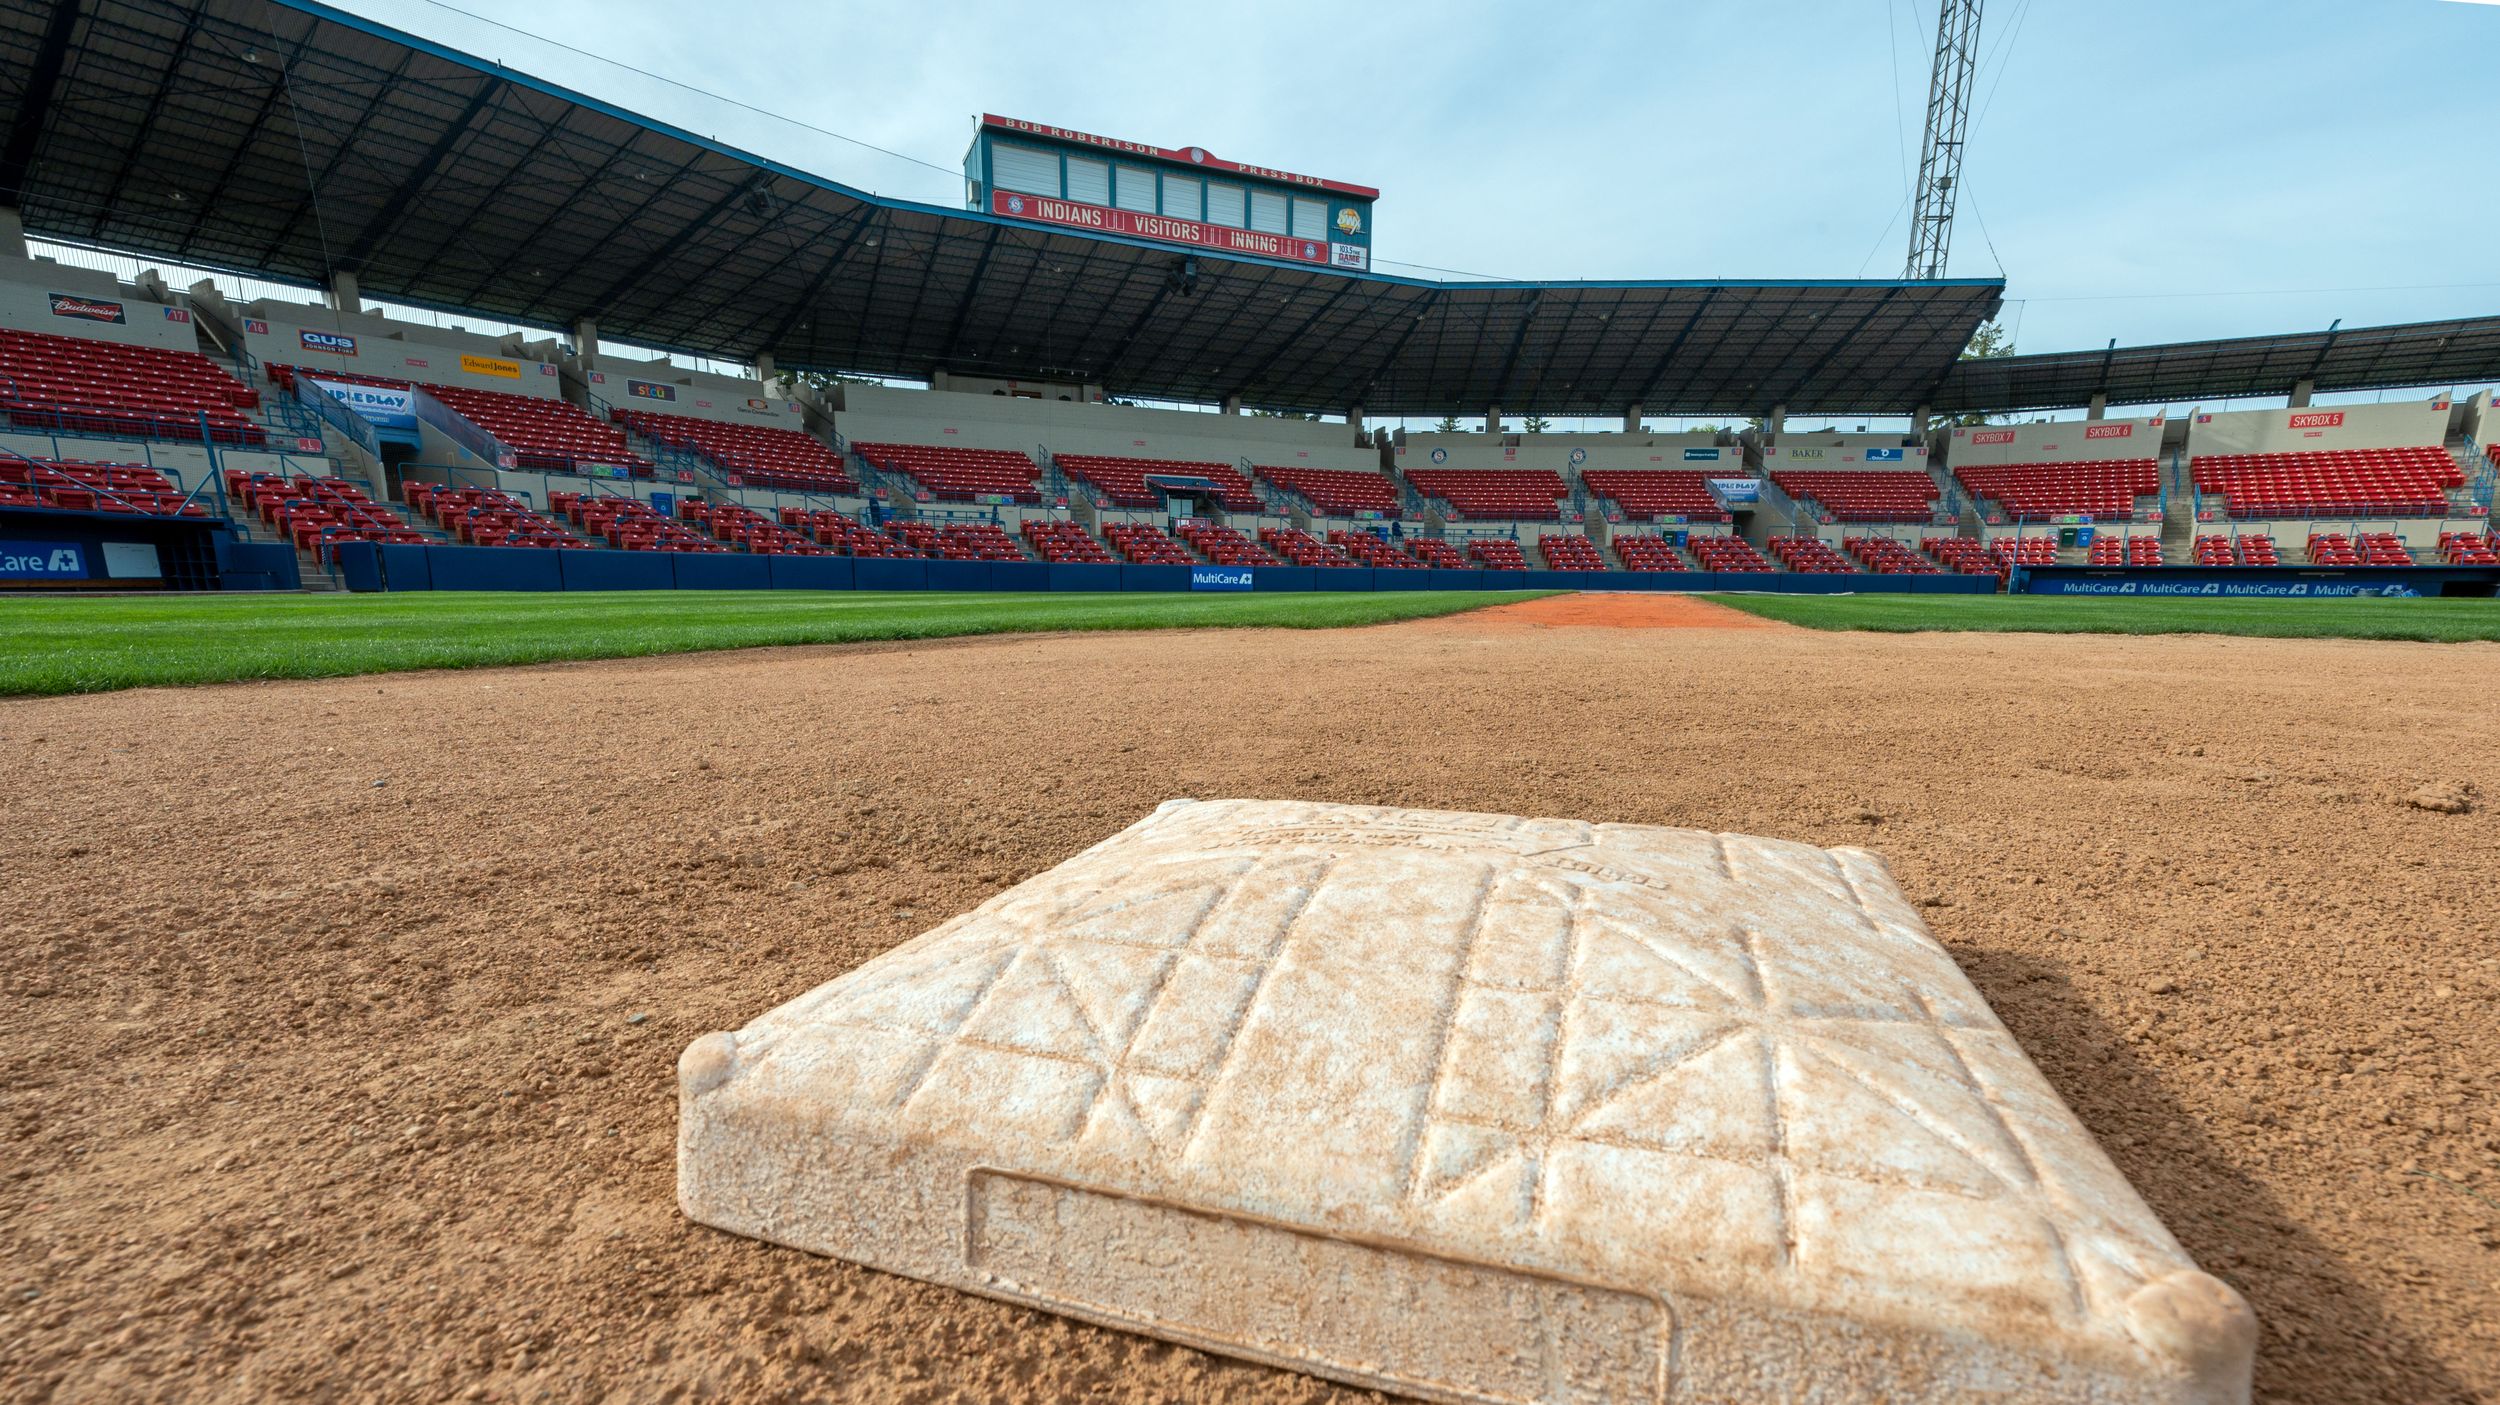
[1940, 154]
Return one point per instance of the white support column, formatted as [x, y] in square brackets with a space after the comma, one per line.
[2302, 389]
[586, 342]
[1232, 404]
[344, 295]
[2099, 408]
[1492, 419]
[12, 233]
[1776, 425]
[1632, 418]
[764, 368]
[1920, 419]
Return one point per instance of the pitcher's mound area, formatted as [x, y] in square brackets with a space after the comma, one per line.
[1594, 610]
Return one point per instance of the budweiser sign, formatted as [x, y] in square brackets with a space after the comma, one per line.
[2108, 431]
[1101, 219]
[2323, 419]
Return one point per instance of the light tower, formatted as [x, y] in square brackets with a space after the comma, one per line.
[1940, 154]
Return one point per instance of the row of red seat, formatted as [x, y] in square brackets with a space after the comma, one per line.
[1644, 494]
[1497, 554]
[2124, 551]
[1300, 548]
[1641, 551]
[1336, 492]
[1569, 553]
[2400, 482]
[1722, 552]
[1146, 544]
[630, 524]
[743, 526]
[758, 455]
[1225, 546]
[318, 514]
[543, 432]
[487, 516]
[2367, 549]
[2099, 488]
[1810, 556]
[2470, 548]
[1495, 494]
[1373, 551]
[841, 535]
[1863, 494]
[1064, 542]
[1123, 480]
[82, 384]
[2252, 549]
[1883, 556]
[952, 474]
[75, 485]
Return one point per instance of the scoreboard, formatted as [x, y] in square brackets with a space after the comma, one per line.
[1187, 197]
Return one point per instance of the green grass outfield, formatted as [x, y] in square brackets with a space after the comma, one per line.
[2437, 621]
[95, 645]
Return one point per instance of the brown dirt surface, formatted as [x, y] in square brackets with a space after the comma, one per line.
[1602, 610]
[341, 1016]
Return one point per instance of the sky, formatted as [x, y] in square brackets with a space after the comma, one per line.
[2143, 170]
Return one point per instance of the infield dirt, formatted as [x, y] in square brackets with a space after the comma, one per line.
[341, 1017]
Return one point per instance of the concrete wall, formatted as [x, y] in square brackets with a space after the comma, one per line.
[2065, 441]
[1826, 449]
[276, 333]
[667, 389]
[883, 413]
[1554, 451]
[2323, 427]
[27, 287]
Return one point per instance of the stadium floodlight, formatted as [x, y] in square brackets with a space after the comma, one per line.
[1949, 84]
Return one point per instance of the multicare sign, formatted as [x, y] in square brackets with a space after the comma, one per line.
[335, 343]
[1102, 219]
[1219, 578]
[45, 561]
[87, 309]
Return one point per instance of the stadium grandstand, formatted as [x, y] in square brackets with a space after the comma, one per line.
[908, 384]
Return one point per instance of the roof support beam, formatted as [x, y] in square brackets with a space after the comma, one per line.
[972, 289]
[1291, 341]
[772, 340]
[17, 153]
[383, 219]
[598, 306]
[156, 105]
[1666, 358]
[1518, 339]
[1839, 344]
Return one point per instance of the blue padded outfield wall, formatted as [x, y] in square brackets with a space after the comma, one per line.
[365, 566]
[2257, 582]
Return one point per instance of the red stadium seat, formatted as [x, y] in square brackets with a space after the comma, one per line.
[1336, 492]
[1493, 494]
[761, 455]
[83, 385]
[950, 474]
[1863, 495]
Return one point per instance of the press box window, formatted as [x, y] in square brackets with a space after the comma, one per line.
[1267, 212]
[1028, 169]
[1136, 190]
[1227, 205]
[1310, 219]
[1089, 181]
[1180, 197]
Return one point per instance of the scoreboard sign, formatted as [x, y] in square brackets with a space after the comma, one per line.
[1103, 220]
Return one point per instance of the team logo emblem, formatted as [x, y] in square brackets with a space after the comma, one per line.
[1349, 220]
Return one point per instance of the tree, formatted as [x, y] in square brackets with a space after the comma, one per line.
[1535, 424]
[1448, 425]
[1281, 415]
[1989, 342]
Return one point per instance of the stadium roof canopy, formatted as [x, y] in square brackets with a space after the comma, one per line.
[2340, 358]
[285, 140]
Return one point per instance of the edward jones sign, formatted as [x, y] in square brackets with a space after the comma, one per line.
[1101, 219]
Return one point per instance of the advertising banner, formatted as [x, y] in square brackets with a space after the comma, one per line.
[1219, 578]
[86, 309]
[41, 561]
[2173, 583]
[1883, 456]
[1737, 490]
[375, 404]
[491, 366]
[1101, 219]
[650, 390]
[1701, 456]
[335, 343]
